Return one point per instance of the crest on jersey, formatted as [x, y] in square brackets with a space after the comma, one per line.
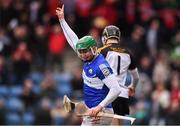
[90, 71]
[104, 69]
[105, 72]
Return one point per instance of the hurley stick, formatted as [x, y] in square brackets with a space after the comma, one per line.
[82, 110]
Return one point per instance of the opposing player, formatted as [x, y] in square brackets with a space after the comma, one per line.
[119, 59]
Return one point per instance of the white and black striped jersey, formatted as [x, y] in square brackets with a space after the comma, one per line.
[120, 60]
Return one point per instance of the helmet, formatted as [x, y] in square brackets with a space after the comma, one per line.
[86, 42]
[110, 31]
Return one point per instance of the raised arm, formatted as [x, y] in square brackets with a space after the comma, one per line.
[71, 37]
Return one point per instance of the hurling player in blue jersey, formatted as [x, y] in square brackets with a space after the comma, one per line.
[101, 87]
[119, 58]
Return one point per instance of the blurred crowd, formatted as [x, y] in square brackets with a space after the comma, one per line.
[37, 67]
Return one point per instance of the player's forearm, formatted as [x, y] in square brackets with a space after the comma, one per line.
[135, 76]
[71, 37]
[111, 96]
[114, 91]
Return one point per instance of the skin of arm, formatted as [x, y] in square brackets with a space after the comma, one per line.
[71, 37]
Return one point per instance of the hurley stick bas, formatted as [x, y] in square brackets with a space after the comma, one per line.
[82, 110]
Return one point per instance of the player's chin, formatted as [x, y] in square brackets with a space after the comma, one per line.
[85, 59]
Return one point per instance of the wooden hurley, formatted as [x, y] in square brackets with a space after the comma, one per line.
[82, 110]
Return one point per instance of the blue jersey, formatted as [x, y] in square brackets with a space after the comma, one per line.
[93, 74]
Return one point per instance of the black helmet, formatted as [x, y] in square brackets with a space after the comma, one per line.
[110, 31]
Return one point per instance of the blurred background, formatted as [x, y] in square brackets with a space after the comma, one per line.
[37, 66]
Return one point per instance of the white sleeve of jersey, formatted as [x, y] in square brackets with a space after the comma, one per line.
[71, 37]
[114, 90]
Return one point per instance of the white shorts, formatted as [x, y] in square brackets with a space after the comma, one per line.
[87, 120]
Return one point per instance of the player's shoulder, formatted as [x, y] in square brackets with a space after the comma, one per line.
[113, 47]
[103, 50]
[119, 49]
[100, 60]
[103, 69]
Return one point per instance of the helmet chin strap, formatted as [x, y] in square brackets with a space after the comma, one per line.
[94, 52]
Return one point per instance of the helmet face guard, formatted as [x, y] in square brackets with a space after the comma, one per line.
[110, 31]
[91, 49]
[87, 43]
